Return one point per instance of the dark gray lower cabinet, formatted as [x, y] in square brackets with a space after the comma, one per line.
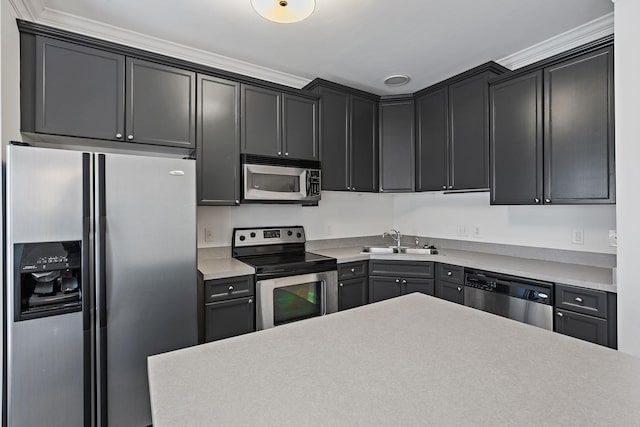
[582, 326]
[353, 285]
[352, 293]
[218, 136]
[161, 104]
[388, 279]
[229, 318]
[381, 288]
[450, 291]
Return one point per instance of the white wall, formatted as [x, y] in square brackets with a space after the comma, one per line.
[627, 64]
[338, 215]
[438, 215]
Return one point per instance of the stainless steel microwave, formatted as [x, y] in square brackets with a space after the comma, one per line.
[280, 180]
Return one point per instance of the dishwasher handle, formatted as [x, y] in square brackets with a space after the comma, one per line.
[515, 287]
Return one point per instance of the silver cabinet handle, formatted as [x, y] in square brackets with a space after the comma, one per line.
[404, 282]
[118, 135]
[444, 187]
[449, 273]
[537, 200]
[578, 299]
[450, 187]
[541, 295]
[353, 189]
[547, 200]
[397, 280]
[348, 188]
[237, 202]
[341, 284]
[230, 288]
[279, 153]
[353, 270]
[560, 314]
[130, 137]
[381, 189]
[250, 301]
[459, 289]
[286, 154]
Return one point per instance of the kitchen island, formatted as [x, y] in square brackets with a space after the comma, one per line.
[412, 360]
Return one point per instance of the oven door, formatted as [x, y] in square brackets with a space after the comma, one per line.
[275, 183]
[287, 299]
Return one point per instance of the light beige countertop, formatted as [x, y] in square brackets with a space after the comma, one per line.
[220, 268]
[429, 362]
[598, 278]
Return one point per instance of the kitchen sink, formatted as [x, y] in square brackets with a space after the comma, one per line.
[418, 251]
[381, 249]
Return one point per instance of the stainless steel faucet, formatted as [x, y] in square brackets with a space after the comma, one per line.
[395, 235]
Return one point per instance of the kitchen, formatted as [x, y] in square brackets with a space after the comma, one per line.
[422, 214]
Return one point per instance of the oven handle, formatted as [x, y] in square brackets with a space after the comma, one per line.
[323, 285]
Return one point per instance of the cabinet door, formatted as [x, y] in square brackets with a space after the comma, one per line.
[261, 121]
[397, 146]
[334, 134]
[581, 326]
[578, 130]
[229, 318]
[218, 137]
[300, 127]
[381, 288]
[432, 159]
[425, 286]
[516, 141]
[79, 90]
[364, 145]
[450, 291]
[352, 293]
[469, 142]
[161, 104]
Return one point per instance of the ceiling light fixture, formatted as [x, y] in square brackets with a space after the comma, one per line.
[284, 11]
[397, 80]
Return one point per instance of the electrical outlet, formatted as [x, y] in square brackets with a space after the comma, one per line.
[577, 236]
[613, 238]
[208, 235]
[475, 231]
[462, 230]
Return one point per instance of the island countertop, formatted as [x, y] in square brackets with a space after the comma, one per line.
[412, 360]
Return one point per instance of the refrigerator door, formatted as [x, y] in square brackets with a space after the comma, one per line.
[146, 270]
[47, 358]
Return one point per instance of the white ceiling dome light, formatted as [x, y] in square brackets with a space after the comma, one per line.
[284, 11]
[397, 80]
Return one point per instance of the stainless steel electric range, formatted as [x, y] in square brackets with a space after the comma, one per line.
[291, 283]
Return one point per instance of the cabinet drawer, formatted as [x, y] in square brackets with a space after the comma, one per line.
[586, 301]
[352, 269]
[450, 273]
[581, 326]
[226, 319]
[403, 269]
[453, 292]
[223, 289]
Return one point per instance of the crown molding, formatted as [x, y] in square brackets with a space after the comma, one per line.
[27, 9]
[592, 30]
[74, 23]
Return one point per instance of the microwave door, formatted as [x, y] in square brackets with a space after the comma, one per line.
[263, 182]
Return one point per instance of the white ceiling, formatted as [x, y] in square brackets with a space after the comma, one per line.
[354, 42]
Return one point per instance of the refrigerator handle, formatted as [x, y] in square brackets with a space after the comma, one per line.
[101, 289]
[86, 286]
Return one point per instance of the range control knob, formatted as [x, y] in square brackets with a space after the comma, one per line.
[253, 234]
[298, 235]
[289, 233]
[242, 238]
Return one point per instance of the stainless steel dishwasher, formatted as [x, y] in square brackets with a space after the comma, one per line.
[525, 300]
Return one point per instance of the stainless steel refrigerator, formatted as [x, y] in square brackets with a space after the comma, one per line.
[100, 273]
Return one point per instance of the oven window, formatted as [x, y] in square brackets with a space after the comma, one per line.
[276, 183]
[297, 302]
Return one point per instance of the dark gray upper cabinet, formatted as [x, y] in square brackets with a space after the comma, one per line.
[578, 130]
[452, 132]
[278, 125]
[397, 145]
[300, 133]
[348, 137]
[161, 104]
[261, 121]
[218, 141]
[468, 137]
[432, 141]
[516, 140]
[363, 150]
[552, 130]
[79, 91]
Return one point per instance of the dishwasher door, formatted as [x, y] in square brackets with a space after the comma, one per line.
[531, 312]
